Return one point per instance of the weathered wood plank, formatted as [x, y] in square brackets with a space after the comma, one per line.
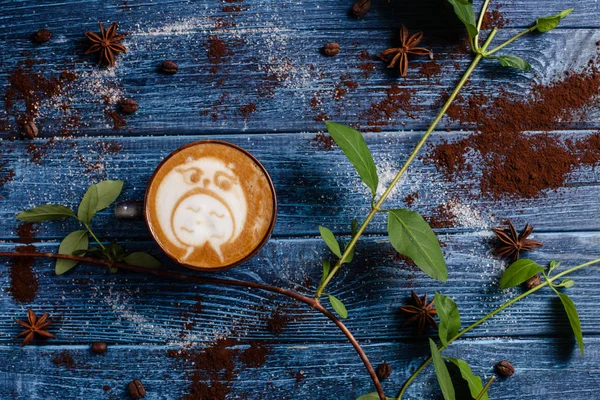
[280, 72]
[128, 308]
[331, 372]
[314, 186]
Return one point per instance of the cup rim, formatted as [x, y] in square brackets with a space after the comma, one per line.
[260, 245]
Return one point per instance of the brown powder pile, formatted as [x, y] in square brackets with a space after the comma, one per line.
[217, 51]
[430, 69]
[277, 322]
[65, 359]
[494, 19]
[23, 280]
[513, 162]
[246, 110]
[383, 112]
[215, 367]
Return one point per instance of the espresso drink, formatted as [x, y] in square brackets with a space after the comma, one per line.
[210, 205]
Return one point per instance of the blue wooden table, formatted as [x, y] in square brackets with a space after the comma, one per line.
[267, 94]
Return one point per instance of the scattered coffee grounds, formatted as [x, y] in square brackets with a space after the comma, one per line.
[64, 359]
[217, 52]
[246, 110]
[494, 19]
[323, 141]
[430, 69]
[215, 367]
[23, 280]
[117, 119]
[277, 322]
[106, 388]
[298, 375]
[6, 175]
[410, 198]
[367, 67]
[383, 112]
[512, 162]
[441, 217]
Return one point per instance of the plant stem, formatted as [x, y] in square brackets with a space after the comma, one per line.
[509, 41]
[484, 8]
[486, 387]
[399, 175]
[94, 236]
[312, 303]
[496, 311]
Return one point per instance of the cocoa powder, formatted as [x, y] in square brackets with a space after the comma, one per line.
[23, 280]
[379, 114]
[512, 161]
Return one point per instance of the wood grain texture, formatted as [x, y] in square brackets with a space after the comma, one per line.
[314, 186]
[275, 64]
[128, 308]
[331, 371]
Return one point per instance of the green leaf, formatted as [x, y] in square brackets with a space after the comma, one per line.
[338, 306]
[474, 382]
[45, 213]
[74, 241]
[464, 11]
[441, 371]
[566, 283]
[546, 24]
[411, 236]
[449, 317]
[514, 62]
[518, 272]
[330, 241]
[87, 207]
[553, 265]
[142, 259]
[372, 396]
[108, 191]
[354, 147]
[571, 311]
[326, 268]
[114, 252]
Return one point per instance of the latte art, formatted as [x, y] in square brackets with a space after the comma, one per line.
[210, 205]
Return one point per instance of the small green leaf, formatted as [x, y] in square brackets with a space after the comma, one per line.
[411, 236]
[45, 213]
[474, 382]
[326, 268]
[330, 241]
[108, 191]
[546, 24]
[114, 252]
[449, 316]
[571, 311]
[355, 148]
[553, 265]
[464, 11]
[141, 259]
[566, 283]
[441, 371]
[73, 242]
[372, 396]
[518, 272]
[87, 207]
[338, 306]
[514, 62]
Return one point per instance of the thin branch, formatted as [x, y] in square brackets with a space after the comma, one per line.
[312, 303]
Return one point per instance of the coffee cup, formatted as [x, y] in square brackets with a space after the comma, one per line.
[210, 205]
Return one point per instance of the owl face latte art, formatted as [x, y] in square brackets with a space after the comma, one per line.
[210, 205]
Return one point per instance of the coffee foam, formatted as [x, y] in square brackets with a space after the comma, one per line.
[209, 205]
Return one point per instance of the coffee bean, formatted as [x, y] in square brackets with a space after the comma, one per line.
[361, 7]
[128, 106]
[331, 49]
[136, 389]
[42, 36]
[505, 368]
[29, 129]
[99, 347]
[169, 67]
[383, 371]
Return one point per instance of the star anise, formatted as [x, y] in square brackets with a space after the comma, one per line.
[35, 327]
[422, 313]
[511, 243]
[106, 43]
[408, 45]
